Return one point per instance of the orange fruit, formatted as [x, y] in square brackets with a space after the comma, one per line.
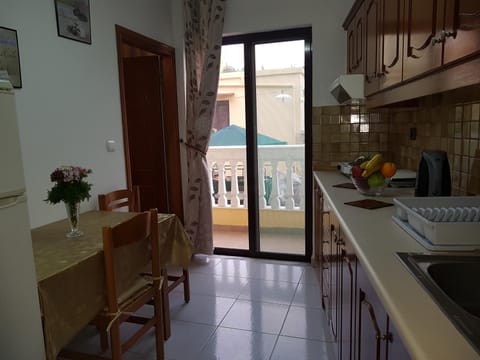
[388, 169]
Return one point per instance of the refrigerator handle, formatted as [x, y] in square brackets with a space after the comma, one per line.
[11, 201]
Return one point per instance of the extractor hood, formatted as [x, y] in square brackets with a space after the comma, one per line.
[348, 88]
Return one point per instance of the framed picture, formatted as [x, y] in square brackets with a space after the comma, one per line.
[9, 56]
[73, 20]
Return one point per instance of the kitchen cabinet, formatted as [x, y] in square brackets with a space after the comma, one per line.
[461, 30]
[413, 48]
[356, 44]
[347, 299]
[384, 44]
[423, 50]
[372, 334]
[372, 45]
[391, 43]
[436, 27]
[376, 336]
[358, 321]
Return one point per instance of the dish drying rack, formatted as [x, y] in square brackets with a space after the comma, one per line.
[441, 223]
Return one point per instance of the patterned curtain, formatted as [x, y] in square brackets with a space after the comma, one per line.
[203, 40]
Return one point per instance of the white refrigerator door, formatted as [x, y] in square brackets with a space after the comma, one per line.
[11, 174]
[21, 335]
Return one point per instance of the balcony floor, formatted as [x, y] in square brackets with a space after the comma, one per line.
[283, 241]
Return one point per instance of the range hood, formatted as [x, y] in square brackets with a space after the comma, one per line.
[348, 89]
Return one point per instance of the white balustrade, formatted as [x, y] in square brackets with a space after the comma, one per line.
[281, 176]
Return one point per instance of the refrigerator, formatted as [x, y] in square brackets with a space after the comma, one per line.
[21, 334]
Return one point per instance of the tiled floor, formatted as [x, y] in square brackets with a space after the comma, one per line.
[240, 309]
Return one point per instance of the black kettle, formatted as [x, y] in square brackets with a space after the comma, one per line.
[433, 176]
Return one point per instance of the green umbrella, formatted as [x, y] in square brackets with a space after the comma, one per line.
[234, 135]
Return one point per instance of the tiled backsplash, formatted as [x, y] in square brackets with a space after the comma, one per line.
[448, 122]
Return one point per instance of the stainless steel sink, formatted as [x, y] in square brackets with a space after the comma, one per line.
[453, 282]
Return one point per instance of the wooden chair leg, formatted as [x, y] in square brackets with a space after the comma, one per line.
[186, 285]
[159, 327]
[116, 346]
[103, 340]
[165, 306]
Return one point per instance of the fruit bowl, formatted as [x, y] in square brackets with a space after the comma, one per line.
[364, 188]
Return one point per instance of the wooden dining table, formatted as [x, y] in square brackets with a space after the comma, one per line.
[70, 271]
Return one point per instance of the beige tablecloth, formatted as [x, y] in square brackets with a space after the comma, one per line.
[70, 273]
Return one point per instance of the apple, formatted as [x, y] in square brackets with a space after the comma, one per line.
[376, 180]
[357, 171]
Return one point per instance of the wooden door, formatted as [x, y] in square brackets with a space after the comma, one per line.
[148, 94]
[143, 98]
[424, 22]
[391, 43]
[372, 46]
[462, 29]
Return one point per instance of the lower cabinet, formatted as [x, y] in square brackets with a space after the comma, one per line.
[359, 323]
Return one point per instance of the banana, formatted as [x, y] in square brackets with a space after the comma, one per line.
[363, 165]
[367, 172]
[374, 161]
[373, 165]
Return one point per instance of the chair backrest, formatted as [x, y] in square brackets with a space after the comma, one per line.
[129, 199]
[141, 229]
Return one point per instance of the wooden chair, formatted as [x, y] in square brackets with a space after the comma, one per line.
[131, 199]
[120, 199]
[140, 233]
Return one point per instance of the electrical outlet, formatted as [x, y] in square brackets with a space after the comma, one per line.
[413, 133]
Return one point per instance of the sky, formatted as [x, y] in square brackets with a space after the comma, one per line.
[278, 55]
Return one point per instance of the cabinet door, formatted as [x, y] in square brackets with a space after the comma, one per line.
[334, 276]
[371, 321]
[424, 22]
[355, 44]
[347, 300]
[462, 29]
[351, 57]
[372, 46]
[391, 42]
[395, 350]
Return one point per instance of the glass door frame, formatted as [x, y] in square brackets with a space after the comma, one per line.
[249, 41]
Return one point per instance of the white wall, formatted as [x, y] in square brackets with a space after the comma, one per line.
[328, 37]
[69, 104]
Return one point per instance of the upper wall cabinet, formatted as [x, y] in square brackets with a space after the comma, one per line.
[423, 49]
[356, 44]
[392, 42]
[373, 68]
[462, 29]
[413, 48]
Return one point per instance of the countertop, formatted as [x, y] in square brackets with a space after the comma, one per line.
[426, 331]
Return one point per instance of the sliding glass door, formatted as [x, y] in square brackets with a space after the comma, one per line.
[260, 150]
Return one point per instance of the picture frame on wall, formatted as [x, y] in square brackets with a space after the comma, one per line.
[10, 57]
[73, 20]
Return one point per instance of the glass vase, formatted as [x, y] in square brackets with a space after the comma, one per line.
[73, 217]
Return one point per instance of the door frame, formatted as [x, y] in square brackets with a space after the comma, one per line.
[147, 46]
[249, 41]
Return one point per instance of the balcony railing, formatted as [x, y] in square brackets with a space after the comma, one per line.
[281, 176]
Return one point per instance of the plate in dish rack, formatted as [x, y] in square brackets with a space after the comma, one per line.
[428, 244]
[442, 220]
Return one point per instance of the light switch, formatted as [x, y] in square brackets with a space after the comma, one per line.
[111, 145]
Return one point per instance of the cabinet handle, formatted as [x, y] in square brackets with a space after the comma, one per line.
[443, 35]
[386, 337]
[371, 312]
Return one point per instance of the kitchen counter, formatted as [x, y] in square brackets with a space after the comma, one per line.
[426, 331]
